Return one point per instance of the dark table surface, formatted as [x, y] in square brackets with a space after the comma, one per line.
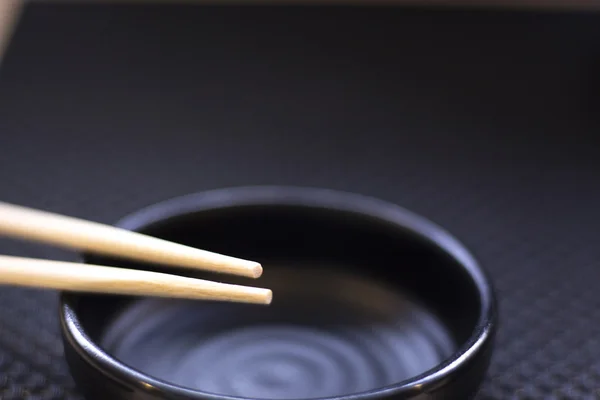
[484, 122]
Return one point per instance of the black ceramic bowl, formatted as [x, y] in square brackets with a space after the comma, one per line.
[369, 301]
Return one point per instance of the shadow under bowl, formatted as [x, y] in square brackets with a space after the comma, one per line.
[369, 300]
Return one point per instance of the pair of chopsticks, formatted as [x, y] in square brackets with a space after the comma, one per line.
[45, 227]
[30, 224]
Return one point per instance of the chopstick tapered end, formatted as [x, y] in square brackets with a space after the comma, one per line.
[245, 294]
[268, 297]
[256, 270]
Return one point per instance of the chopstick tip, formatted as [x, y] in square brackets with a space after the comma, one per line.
[268, 297]
[256, 270]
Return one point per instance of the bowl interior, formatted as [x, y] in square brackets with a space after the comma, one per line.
[358, 304]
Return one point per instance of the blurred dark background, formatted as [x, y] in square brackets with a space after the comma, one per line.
[484, 121]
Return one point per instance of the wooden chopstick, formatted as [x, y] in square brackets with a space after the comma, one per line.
[30, 224]
[78, 277]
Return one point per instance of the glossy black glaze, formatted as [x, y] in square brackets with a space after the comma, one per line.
[370, 301]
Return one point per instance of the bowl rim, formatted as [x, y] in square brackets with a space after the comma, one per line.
[311, 197]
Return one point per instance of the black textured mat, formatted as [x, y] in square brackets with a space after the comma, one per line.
[482, 122]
